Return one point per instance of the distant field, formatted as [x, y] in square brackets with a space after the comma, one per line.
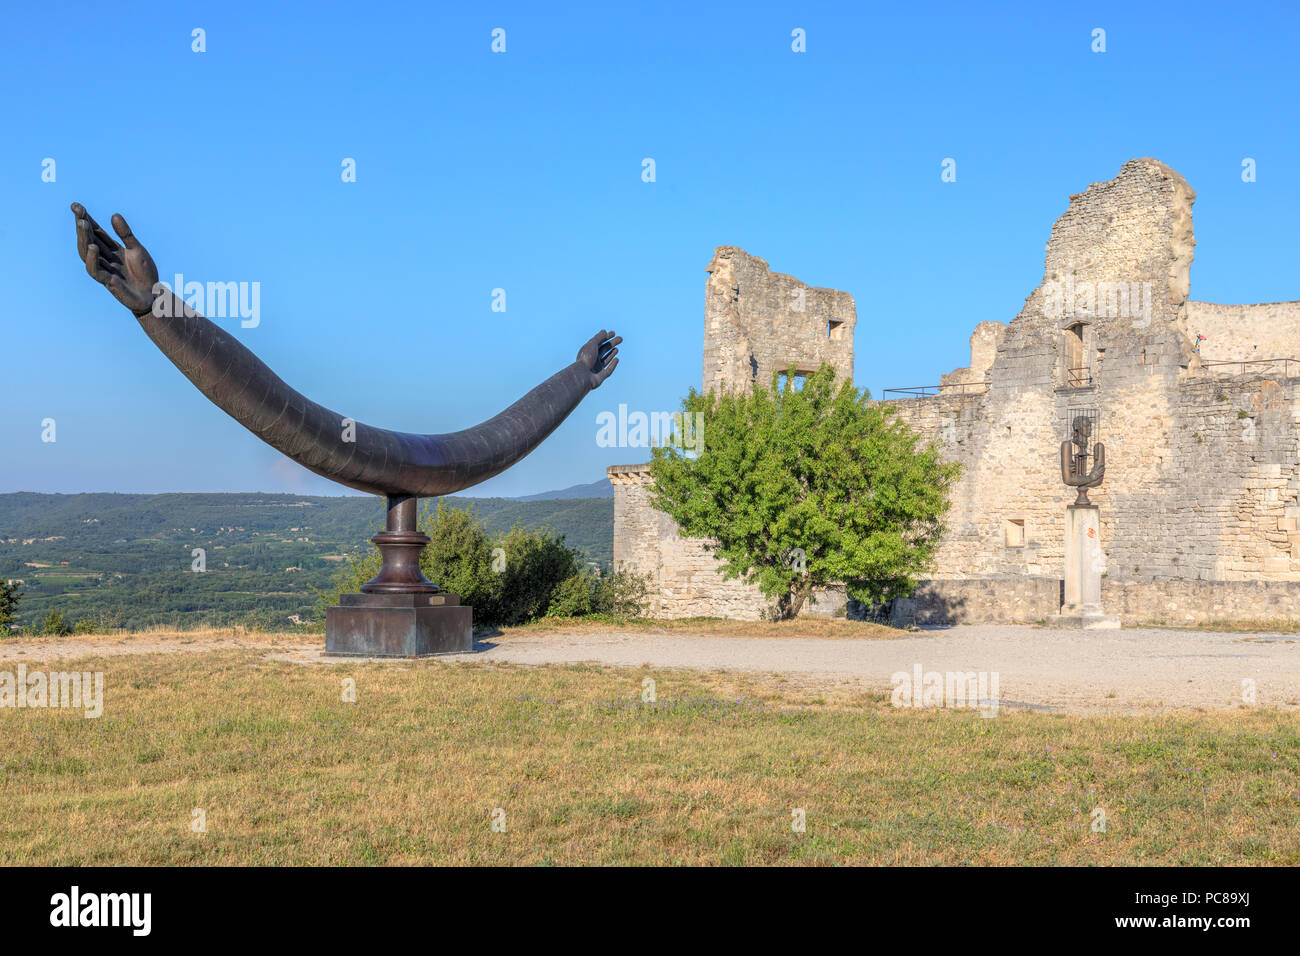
[583, 770]
[130, 557]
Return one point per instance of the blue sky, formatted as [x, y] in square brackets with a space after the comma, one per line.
[522, 171]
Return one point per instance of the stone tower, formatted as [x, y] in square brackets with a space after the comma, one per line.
[757, 322]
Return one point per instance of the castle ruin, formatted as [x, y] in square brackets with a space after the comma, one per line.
[1197, 405]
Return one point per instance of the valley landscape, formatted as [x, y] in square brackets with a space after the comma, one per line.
[123, 561]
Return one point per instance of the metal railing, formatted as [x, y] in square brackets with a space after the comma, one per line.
[1284, 364]
[1081, 377]
[929, 391]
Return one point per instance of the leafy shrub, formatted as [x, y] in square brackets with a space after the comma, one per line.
[507, 579]
[621, 594]
[573, 597]
[54, 624]
[624, 593]
[536, 563]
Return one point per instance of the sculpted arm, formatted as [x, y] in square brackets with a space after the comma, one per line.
[378, 461]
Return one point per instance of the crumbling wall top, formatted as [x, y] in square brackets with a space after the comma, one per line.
[757, 322]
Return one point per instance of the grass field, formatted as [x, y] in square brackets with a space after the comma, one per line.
[585, 772]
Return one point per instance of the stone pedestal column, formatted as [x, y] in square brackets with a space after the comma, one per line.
[399, 612]
[1083, 570]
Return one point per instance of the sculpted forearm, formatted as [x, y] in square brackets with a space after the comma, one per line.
[360, 456]
[245, 388]
[355, 454]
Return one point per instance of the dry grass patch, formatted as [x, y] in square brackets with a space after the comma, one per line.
[588, 773]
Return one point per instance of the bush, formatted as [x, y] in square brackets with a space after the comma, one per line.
[54, 624]
[573, 597]
[509, 579]
[536, 564]
[623, 593]
[459, 559]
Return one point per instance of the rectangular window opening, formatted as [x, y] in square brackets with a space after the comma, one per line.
[800, 378]
[1078, 370]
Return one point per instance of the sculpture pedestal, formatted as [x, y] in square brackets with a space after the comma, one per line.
[1083, 568]
[400, 613]
[398, 625]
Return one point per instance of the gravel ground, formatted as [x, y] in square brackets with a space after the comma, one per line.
[1121, 670]
[1137, 669]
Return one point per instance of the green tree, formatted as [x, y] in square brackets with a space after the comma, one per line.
[9, 598]
[55, 624]
[799, 488]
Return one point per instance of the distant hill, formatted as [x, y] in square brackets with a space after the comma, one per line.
[129, 557]
[595, 489]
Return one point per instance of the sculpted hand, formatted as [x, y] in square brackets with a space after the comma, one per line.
[600, 356]
[128, 273]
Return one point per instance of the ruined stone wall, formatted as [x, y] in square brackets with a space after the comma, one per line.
[1202, 487]
[984, 344]
[1236, 441]
[683, 575]
[1236, 333]
[1018, 599]
[1201, 479]
[1201, 484]
[757, 321]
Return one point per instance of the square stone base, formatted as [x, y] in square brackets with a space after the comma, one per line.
[398, 625]
[1089, 622]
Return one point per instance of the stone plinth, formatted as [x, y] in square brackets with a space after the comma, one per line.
[398, 625]
[1083, 569]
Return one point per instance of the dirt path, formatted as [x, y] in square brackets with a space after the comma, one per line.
[1138, 669]
[1123, 670]
[45, 649]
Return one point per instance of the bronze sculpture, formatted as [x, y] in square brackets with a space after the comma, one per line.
[401, 466]
[1085, 562]
[1074, 464]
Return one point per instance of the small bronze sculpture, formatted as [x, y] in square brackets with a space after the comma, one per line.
[401, 466]
[1085, 562]
[1074, 464]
